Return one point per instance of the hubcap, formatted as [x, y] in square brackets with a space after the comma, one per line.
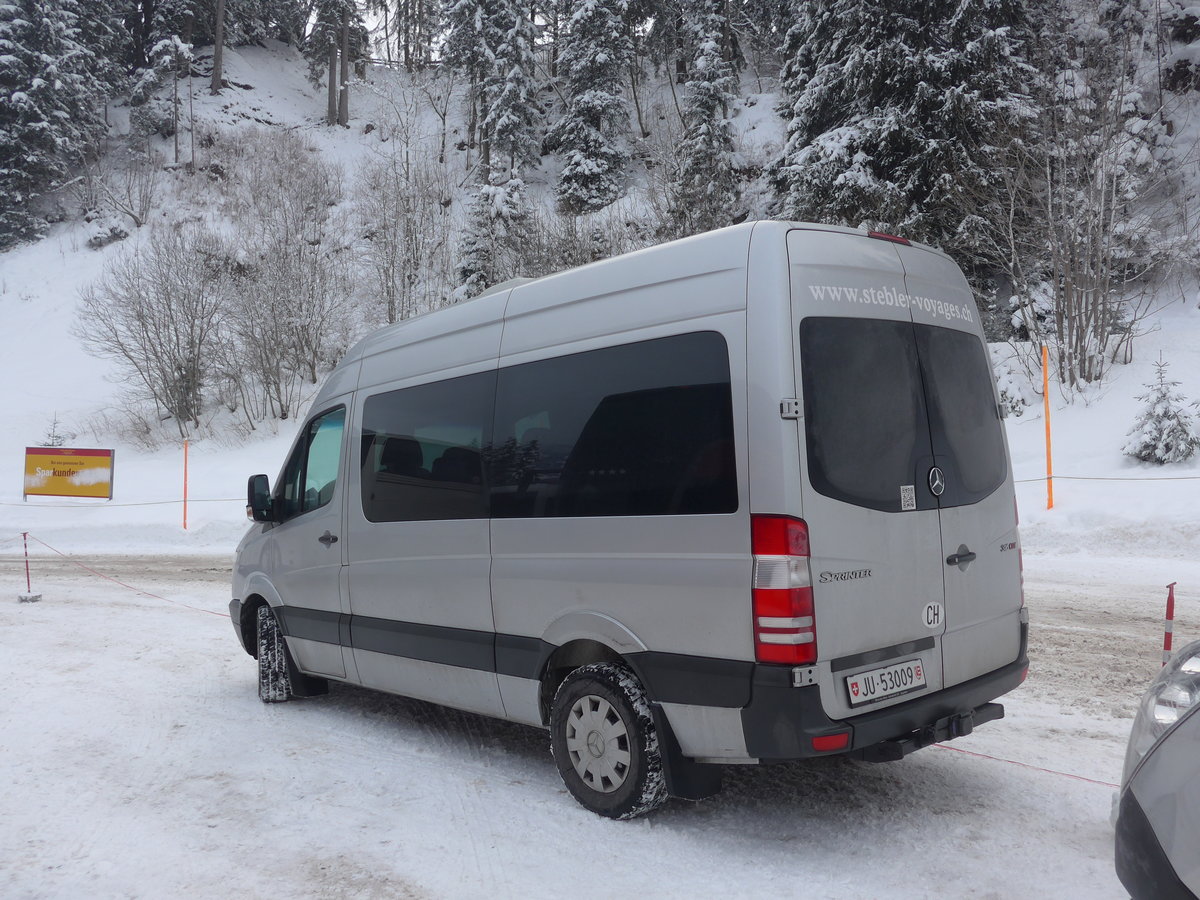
[598, 744]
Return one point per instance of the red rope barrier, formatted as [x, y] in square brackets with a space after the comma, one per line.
[1013, 762]
[130, 587]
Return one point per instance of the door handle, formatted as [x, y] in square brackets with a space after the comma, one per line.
[328, 539]
[961, 558]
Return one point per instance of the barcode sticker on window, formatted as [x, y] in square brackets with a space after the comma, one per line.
[908, 496]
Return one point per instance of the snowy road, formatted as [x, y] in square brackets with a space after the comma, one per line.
[136, 761]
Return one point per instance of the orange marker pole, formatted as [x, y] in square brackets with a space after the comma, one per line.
[1046, 406]
[185, 483]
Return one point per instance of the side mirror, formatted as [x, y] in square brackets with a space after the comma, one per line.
[258, 499]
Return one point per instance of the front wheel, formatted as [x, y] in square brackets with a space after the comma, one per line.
[274, 679]
[605, 744]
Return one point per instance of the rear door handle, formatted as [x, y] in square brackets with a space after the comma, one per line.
[961, 558]
[328, 539]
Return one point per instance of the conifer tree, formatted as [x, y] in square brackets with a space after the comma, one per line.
[491, 242]
[511, 105]
[49, 108]
[591, 135]
[336, 36]
[705, 192]
[894, 109]
[470, 47]
[1164, 431]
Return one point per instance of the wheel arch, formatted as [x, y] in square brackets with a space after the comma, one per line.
[248, 622]
[580, 638]
[258, 591]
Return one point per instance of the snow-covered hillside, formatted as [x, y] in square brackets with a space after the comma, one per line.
[362, 796]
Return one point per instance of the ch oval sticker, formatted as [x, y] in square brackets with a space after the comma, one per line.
[932, 617]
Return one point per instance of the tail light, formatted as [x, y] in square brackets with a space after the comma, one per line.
[784, 630]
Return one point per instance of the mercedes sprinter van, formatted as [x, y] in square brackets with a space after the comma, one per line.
[740, 498]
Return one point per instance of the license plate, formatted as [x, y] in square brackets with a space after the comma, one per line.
[890, 681]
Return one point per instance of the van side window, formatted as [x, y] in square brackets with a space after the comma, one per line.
[644, 429]
[311, 473]
[422, 450]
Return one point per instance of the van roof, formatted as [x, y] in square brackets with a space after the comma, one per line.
[658, 263]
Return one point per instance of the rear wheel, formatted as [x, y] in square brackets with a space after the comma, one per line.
[274, 679]
[605, 744]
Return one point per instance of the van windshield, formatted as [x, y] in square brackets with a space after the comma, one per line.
[885, 400]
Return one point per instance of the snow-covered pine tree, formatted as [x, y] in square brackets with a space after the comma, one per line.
[414, 24]
[1164, 431]
[334, 23]
[705, 191]
[511, 108]
[103, 31]
[490, 245]
[894, 108]
[50, 108]
[591, 135]
[470, 47]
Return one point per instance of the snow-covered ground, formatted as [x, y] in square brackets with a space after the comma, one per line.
[136, 760]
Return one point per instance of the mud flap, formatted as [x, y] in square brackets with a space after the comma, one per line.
[686, 778]
[305, 685]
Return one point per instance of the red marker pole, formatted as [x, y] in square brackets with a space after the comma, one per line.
[1169, 622]
[29, 596]
[25, 539]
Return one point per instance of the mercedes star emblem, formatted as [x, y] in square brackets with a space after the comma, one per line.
[937, 481]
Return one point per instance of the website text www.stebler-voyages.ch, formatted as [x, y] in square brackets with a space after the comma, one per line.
[888, 296]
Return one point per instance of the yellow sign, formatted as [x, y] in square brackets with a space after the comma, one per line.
[60, 472]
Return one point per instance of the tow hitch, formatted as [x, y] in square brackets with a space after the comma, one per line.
[944, 729]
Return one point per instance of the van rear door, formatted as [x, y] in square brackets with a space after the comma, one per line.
[977, 506]
[875, 542]
[906, 483]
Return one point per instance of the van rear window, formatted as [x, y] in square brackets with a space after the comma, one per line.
[864, 410]
[887, 400]
[967, 438]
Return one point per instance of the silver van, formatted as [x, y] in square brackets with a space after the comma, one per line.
[740, 498]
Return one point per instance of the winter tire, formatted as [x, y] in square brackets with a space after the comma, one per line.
[604, 742]
[274, 679]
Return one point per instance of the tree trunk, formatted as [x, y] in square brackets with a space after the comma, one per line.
[218, 46]
[175, 107]
[343, 112]
[332, 111]
[485, 153]
[637, 103]
[191, 127]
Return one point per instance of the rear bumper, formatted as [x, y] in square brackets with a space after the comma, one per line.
[781, 720]
[778, 720]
